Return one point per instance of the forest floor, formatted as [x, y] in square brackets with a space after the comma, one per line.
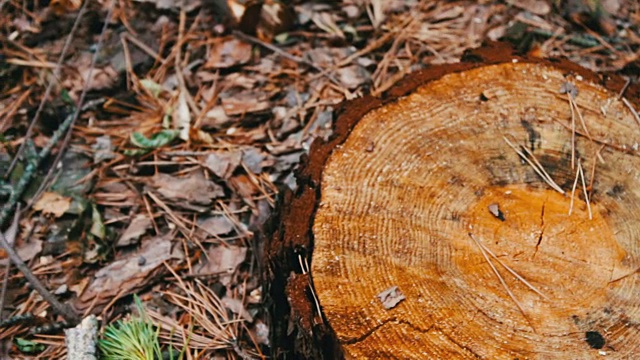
[186, 119]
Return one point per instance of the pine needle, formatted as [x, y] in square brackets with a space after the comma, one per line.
[501, 279]
[535, 164]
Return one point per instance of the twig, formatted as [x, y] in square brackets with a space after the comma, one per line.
[47, 92]
[580, 174]
[69, 315]
[598, 141]
[79, 107]
[33, 165]
[254, 40]
[286, 55]
[583, 40]
[11, 238]
[584, 124]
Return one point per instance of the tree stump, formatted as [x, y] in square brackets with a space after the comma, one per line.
[487, 209]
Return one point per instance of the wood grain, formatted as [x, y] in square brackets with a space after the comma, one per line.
[415, 177]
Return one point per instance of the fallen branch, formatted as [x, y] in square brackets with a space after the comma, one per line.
[69, 315]
[33, 164]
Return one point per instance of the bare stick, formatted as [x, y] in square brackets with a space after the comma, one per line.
[546, 175]
[76, 113]
[69, 315]
[11, 237]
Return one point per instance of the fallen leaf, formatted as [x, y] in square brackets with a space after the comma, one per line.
[538, 7]
[103, 149]
[136, 228]
[51, 203]
[237, 307]
[223, 261]
[223, 164]
[352, 77]
[215, 225]
[129, 273]
[194, 188]
[227, 52]
[244, 103]
[29, 250]
[187, 5]
[326, 22]
[253, 159]
[243, 186]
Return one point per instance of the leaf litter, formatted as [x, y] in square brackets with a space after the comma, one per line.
[208, 109]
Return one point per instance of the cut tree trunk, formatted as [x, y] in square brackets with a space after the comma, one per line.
[488, 209]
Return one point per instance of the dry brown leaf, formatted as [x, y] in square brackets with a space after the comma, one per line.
[200, 136]
[51, 203]
[29, 250]
[136, 228]
[132, 271]
[353, 77]
[538, 7]
[223, 163]
[194, 188]
[227, 52]
[237, 307]
[244, 103]
[224, 261]
[215, 225]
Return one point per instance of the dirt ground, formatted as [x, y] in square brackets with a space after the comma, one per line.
[186, 119]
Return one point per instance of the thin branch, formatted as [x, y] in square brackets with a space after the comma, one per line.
[624, 88]
[47, 92]
[11, 237]
[76, 113]
[69, 315]
[584, 124]
[32, 166]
